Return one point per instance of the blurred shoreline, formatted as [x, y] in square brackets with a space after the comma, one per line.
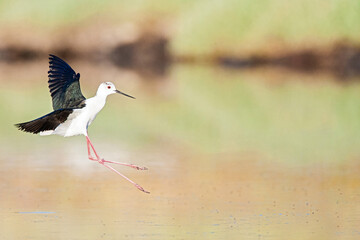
[149, 54]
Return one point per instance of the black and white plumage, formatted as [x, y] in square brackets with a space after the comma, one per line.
[73, 113]
[49, 122]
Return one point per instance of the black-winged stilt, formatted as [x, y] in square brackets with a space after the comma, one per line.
[73, 113]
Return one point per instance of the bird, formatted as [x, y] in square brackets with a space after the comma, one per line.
[72, 113]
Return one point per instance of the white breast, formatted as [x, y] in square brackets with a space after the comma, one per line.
[78, 121]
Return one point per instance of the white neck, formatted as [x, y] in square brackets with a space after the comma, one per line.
[96, 103]
[100, 98]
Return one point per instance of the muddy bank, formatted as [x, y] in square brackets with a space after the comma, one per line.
[342, 60]
[149, 54]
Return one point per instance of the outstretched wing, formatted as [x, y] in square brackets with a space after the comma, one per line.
[64, 85]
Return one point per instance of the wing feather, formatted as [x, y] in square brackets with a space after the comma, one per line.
[48, 122]
[64, 85]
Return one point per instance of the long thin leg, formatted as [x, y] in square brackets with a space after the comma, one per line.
[89, 151]
[102, 161]
[127, 164]
[97, 156]
[92, 146]
[132, 182]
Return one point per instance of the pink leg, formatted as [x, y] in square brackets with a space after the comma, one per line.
[89, 151]
[127, 164]
[132, 182]
[97, 156]
[102, 161]
[92, 146]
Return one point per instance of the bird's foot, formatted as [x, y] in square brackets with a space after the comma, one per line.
[136, 167]
[140, 188]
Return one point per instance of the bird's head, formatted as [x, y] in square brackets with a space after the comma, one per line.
[107, 88]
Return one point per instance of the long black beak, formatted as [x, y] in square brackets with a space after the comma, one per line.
[124, 94]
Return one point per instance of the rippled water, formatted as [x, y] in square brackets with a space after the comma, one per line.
[230, 156]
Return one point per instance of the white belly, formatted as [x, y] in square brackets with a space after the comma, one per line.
[76, 124]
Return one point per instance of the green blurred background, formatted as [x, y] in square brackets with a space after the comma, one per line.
[198, 105]
[259, 96]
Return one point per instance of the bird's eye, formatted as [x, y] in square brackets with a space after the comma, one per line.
[109, 87]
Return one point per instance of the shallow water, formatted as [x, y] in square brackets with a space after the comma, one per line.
[250, 155]
[234, 197]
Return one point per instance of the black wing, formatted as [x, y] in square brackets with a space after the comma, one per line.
[47, 122]
[64, 85]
